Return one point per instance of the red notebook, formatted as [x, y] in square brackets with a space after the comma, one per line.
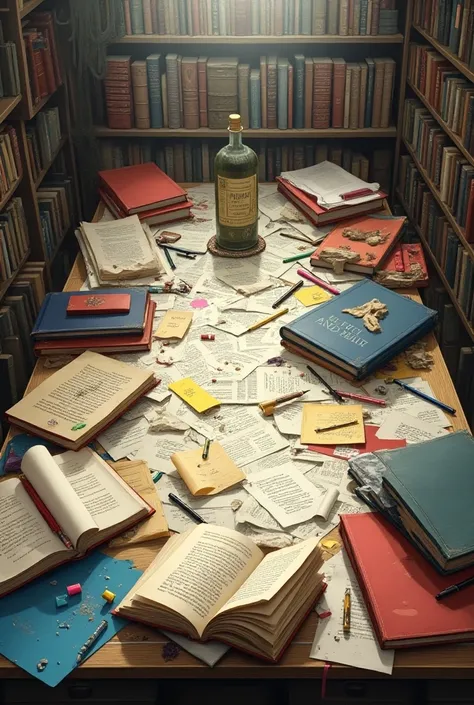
[168, 214]
[399, 586]
[107, 345]
[319, 216]
[141, 188]
[372, 443]
[85, 304]
[371, 257]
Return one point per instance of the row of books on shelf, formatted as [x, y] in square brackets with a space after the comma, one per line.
[43, 136]
[9, 73]
[44, 70]
[447, 249]
[14, 242]
[10, 160]
[187, 161]
[56, 207]
[451, 22]
[446, 90]
[265, 17]
[18, 312]
[445, 165]
[197, 92]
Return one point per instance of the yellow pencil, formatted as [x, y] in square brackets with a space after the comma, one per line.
[268, 320]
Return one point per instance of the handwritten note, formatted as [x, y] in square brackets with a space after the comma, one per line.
[194, 395]
[174, 325]
[207, 477]
[311, 295]
[323, 416]
[404, 426]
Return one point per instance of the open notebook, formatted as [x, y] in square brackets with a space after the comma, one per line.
[215, 583]
[87, 498]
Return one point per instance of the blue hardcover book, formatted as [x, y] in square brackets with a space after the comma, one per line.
[363, 16]
[54, 322]
[136, 12]
[255, 103]
[154, 90]
[306, 11]
[370, 92]
[282, 94]
[298, 116]
[340, 340]
[451, 256]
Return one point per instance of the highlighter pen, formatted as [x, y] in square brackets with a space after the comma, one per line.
[316, 280]
[295, 258]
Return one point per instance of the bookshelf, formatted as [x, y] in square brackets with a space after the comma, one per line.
[262, 39]
[262, 133]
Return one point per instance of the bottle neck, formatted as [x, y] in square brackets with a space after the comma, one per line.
[235, 140]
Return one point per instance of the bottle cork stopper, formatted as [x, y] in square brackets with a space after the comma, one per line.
[235, 123]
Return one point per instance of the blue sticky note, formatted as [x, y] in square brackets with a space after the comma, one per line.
[32, 628]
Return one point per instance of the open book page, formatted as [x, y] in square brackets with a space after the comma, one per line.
[25, 537]
[211, 476]
[103, 493]
[274, 571]
[42, 470]
[200, 577]
[121, 248]
[83, 393]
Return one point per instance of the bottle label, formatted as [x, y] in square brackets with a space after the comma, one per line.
[237, 201]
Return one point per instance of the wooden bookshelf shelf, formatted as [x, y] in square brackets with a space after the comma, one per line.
[10, 192]
[44, 171]
[443, 206]
[452, 135]
[205, 132]
[4, 285]
[441, 274]
[59, 243]
[262, 39]
[7, 105]
[29, 6]
[35, 109]
[460, 65]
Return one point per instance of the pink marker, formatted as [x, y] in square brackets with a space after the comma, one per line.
[311, 278]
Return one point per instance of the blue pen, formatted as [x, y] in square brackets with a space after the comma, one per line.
[422, 395]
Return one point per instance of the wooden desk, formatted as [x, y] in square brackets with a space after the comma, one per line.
[136, 652]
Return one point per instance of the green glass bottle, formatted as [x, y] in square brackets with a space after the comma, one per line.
[236, 169]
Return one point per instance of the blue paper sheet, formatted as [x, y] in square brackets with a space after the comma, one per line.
[33, 628]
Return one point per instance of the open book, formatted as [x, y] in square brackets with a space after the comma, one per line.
[214, 583]
[89, 501]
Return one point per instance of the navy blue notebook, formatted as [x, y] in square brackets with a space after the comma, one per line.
[54, 322]
[342, 340]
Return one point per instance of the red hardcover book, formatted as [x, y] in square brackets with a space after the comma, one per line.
[406, 260]
[169, 214]
[372, 444]
[140, 188]
[399, 586]
[29, 38]
[339, 87]
[45, 20]
[107, 345]
[84, 304]
[371, 257]
[48, 62]
[317, 215]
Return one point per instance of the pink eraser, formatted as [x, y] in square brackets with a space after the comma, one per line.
[75, 589]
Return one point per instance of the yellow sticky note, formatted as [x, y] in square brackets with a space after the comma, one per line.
[174, 325]
[311, 295]
[397, 368]
[326, 415]
[194, 395]
[207, 477]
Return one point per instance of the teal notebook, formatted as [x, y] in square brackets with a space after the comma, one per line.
[433, 486]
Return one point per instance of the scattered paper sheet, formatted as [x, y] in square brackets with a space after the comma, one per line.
[289, 498]
[241, 274]
[404, 426]
[273, 382]
[265, 538]
[210, 653]
[158, 448]
[400, 400]
[180, 522]
[193, 239]
[327, 415]
[194, 395]
[312, 295]
[174, 325]
[251, 512]
[124, 438]
[174, 484]
[359, 648]
[251, 445]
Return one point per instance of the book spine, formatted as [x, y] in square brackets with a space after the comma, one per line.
[173, 101]
[290, 96]
[363, 93]
[306, 17]
[378, 90]
[355, 91]
[308, 93]
[255, 102]
[154, 87]
[264, 91]
[333, 17]
[338, 94]
[299, 92]
[202, 86]
[243, 82]
[282, 95]
[136, 10]
[319, 17]
[374, 29]
[162, 27]
[127, 17]
[272, 95]
[322, 84]
[347, 97]
[387, 92]
[140, 95]
[255, 19]
[189, 82]
[154, 17]
[344, 18]
[147, 17]
[363, 16]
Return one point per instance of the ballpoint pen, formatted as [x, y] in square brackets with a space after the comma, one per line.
[422, 395]
[335, 395]
[190, 512]
[287, 294]
[456, 587]
[316, 280]
[268, 407]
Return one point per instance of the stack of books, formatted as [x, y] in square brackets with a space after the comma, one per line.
[105, 321]
[245, 18]
[143, 190]
[280, 93]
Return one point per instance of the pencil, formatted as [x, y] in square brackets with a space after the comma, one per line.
[169, 258]
[337, 425]
[346, 619]
[268, 320]
[45, 513]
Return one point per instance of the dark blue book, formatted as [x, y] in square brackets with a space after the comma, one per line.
[451, 256]
[341, 341]
[456, 22]
[54, 322]
[154, 90]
